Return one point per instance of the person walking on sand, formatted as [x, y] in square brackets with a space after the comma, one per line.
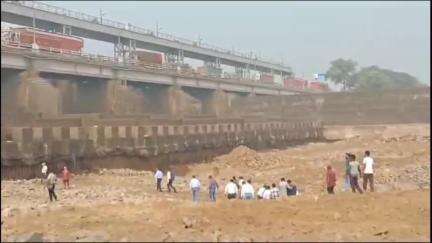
[66, 177]
[355, 173]
[330, 179]
[170, 178]
[50, 184]
[231, 190]
[247, 190]
[195, 188]
[213, 187]
[368, 173]
[44, 171]
[158, 176]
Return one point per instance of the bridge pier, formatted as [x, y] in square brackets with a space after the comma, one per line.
[29, 94]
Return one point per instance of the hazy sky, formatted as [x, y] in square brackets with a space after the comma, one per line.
[307, 35]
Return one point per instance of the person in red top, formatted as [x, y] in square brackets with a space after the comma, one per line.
[330, 179]
[66, 177]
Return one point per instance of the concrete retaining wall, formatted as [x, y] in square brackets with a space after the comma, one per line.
[31, 145]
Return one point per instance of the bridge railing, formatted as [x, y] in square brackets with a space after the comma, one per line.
[119, 25]
[100, 59]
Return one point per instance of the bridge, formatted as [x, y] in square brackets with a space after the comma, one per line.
[107, 68]
[51, 83]
[126, 37]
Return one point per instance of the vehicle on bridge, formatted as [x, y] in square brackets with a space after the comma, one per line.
[39, 39]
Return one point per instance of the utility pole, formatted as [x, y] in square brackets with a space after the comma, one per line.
[101, 14]
[157, 28]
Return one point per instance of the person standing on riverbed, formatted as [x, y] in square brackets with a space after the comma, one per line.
[347, 184]
[368, 173]
[195, 188]
[66, 177]
[330, 179]
[44, 171]
[355, 173]
[213, 187]
[170, 178]
[50, 184]
[158, 176]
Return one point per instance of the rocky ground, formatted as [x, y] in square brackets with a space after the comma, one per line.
[122, 205]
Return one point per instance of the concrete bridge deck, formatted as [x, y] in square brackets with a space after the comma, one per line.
[24, 59]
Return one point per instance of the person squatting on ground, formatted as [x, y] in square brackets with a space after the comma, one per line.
[267, 193]
[291, 188]
[195, 188]
[213, 187]
[50, 184]
[247, 190]
[261, 192]
[231, 189]
[274, 192]
[330, 179]
[66, 177]
[355, 173]
[368, 175]
[170, 178]
[158, 176]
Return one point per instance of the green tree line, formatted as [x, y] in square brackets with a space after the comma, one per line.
[345, 72]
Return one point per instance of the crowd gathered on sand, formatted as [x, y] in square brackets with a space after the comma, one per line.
[241, 188]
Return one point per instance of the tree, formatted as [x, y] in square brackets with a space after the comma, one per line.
[375, 78]
[341, 72]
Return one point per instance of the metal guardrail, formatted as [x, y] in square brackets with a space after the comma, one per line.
[130, 27]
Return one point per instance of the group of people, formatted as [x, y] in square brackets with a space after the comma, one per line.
[243, 189]
[235, 188]
[51, 180]
[170, 180]
[353, 171]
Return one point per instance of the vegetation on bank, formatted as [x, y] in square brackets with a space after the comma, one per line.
[345, 72]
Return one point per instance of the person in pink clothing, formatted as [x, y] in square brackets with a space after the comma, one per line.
[66, 177]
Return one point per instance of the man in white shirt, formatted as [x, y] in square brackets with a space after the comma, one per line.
[261, 192]
[195, 187]
[44, 171]
[247, 190]
[368, 163]
[267, 193]
[158, 176]
[231, 189]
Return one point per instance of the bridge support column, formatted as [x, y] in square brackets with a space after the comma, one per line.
[37, 96]
[218, 103]
[116, 98]
[180, 103]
